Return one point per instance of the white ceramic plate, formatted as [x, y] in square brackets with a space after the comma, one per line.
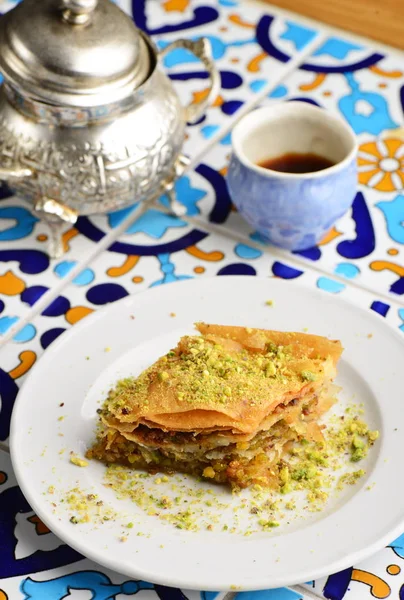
[353, 526]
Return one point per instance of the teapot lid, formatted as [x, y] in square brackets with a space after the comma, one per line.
[79, 53]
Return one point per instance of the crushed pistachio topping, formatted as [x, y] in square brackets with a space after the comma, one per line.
[268, 524]
[126, 388]
[79, 462]
[202, 371]
[349, 478]
[311, 465]
[308, 376]
[353, 434]
[85, 507]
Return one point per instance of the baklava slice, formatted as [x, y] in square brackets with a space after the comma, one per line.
[222, 405]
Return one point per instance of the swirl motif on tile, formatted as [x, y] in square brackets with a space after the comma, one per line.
[98, 584]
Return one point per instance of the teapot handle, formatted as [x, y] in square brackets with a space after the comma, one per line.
[202, 49]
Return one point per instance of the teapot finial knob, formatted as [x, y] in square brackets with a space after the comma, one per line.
[78, 12]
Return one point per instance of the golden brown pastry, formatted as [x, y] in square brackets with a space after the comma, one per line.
[222, 405]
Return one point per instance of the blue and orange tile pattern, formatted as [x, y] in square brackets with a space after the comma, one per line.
[263, 57]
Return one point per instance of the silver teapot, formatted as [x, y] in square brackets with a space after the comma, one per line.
[88, 121]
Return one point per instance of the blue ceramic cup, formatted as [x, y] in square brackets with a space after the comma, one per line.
[292, 210]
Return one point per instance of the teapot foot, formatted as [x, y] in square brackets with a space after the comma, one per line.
[56, 247]
[178, 209]
[55, 215]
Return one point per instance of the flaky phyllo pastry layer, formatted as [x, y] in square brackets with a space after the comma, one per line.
[224, 405]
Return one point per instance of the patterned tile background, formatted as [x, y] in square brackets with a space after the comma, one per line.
[263, 57]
